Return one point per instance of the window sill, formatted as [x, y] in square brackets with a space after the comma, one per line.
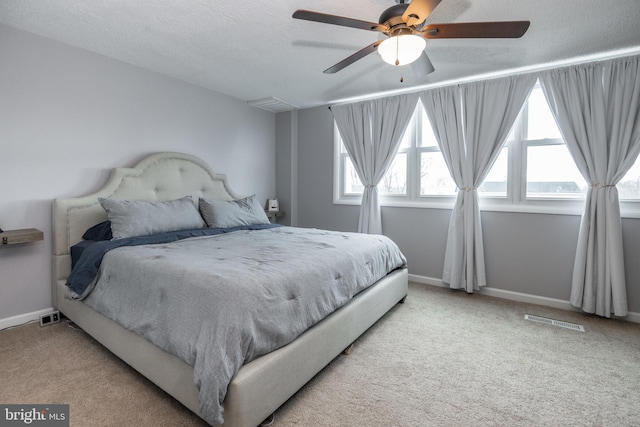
[542, 206]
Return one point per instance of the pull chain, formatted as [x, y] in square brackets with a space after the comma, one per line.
[397, 50]
[397, 56]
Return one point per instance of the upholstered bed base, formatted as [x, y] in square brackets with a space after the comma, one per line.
[261, 386]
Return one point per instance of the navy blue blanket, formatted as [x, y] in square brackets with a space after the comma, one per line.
[86, 268]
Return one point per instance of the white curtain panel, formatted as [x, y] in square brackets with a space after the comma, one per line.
[597, 108]
[371, 132]
[471, 123]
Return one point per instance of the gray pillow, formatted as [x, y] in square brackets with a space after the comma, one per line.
[137, 218]
[232, 213]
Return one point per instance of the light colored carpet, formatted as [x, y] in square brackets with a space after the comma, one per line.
[444, 358]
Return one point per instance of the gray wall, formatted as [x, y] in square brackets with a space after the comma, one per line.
[527, 253]
[68, 116]
[285, 167]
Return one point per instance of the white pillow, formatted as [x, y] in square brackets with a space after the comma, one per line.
[137, 218]
[232, 213]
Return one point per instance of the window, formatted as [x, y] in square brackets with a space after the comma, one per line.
[629, 185]
[435, 179]
[547, 169]
[394, 181]
[534, 171]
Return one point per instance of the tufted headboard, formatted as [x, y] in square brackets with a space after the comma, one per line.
[159, 177]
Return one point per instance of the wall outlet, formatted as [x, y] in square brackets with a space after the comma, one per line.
[47, 319]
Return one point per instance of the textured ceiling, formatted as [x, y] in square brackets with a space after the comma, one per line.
[253, 50]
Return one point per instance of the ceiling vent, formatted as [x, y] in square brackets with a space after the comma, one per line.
[274, 105]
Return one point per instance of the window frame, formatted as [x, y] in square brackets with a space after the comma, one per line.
[516, 199]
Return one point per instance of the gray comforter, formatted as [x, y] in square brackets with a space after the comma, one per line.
[218, 302]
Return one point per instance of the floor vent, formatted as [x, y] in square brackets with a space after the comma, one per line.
[553, 322]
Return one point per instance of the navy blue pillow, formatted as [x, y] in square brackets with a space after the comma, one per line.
[99, 232]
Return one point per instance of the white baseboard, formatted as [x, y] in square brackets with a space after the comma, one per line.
[21, 319]
[517, 296]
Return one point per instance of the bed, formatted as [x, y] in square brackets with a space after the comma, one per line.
[260, 386]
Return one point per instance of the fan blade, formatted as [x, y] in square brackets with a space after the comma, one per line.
[353, 58]
[418, 10]
[422, 66]
[476, 30]
[308, 15]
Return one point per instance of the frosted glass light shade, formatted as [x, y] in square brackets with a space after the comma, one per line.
[404, 48]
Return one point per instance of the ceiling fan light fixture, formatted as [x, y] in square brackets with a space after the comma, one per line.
[402, 49]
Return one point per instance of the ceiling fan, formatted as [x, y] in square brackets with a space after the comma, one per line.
[404, 26]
